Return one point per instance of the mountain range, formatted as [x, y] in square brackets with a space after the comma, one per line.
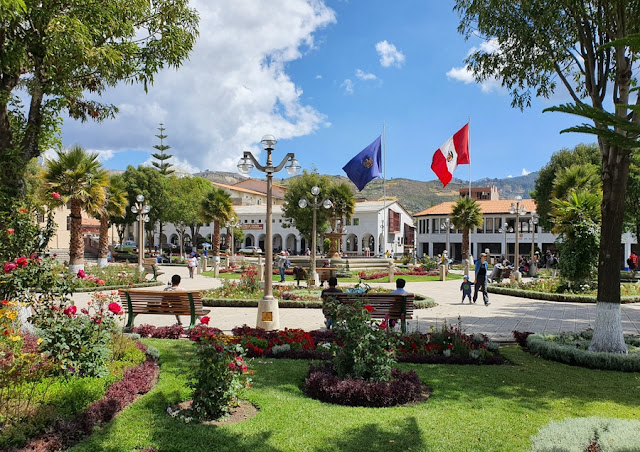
[414, 195]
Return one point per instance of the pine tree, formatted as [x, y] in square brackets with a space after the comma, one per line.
[162, 165]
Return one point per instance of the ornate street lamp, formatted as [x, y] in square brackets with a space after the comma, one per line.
[448, 226]
[268, 314]
[517, 209]
[533, 221]
[327, 204]
[231, 225]
[505, 228]
[141, 209]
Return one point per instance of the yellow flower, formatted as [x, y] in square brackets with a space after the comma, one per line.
[39, 340]
[15, 338]
[11, 315]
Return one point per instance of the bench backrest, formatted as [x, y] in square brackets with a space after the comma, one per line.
[382, 304]
[150, 261]
[161, 301]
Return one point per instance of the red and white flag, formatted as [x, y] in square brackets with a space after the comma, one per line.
[454, 152]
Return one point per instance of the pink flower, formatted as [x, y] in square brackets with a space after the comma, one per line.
[22, 261]
[115, 308]
[369, 308]
[101, 282]
[56, 195]
[81, 274]
[70, 310]
[9, 267]
[205, 320]
[10, 231]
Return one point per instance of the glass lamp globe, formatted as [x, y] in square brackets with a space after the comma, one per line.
[293, 167]
[268, 142]
[327, 204]
[302, 203]
[245, 166]
[134, 209]
[315, 190]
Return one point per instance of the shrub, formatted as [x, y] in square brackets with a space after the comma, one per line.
[220, 377]
[322, 383]
[78, 342]
[571, 348]
[577, 434]
[521, 337]
[367, 349]
[159, 332]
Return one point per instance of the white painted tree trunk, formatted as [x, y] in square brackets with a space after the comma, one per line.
[73, 269]
[607, 332]
[103, 262]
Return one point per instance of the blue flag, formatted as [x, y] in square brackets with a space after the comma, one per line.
[365, 166]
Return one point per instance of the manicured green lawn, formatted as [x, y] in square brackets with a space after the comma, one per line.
[490, 408]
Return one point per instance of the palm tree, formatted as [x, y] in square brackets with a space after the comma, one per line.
[81, 181]
[115, 206]
[579, 177]
[216, 207]
[465, 214]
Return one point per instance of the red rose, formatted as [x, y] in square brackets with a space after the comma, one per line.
[101, 282]
[70, 310]
[369, 308]
[56, 195]
[81, 274]
[23, 210]
[22, 261]
[115, 308]
[10, 231]
[205, 320]
[9, 267]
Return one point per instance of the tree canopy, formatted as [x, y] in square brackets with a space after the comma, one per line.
[60, 56]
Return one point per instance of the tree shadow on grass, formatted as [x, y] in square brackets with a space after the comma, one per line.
[395, 436]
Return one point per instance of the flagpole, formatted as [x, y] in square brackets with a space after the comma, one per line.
[385, 216]
[469, 122]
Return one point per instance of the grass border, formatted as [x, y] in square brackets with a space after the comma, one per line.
[542, 345]
[561, 297]
[427, 303]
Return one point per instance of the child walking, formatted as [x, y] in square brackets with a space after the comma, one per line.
[465, 287]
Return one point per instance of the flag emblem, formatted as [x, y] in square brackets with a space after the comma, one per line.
[367, 162]
[449, 156]
[365, 166]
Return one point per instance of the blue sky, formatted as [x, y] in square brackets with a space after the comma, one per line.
[323, 77]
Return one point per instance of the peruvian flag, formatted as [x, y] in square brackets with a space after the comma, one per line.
[454, 152]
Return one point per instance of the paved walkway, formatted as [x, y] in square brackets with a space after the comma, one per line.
[498, 320]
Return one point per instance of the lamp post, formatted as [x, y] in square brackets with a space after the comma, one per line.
[141, 209]
[532, 224]
[268, 315]
[446, 225]
[505, 228]
[518, 209]
[327, 204]
[232, 224]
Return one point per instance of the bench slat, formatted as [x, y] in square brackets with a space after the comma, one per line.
[170, 302]
[383, 304]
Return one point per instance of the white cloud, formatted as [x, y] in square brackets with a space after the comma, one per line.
[318, 77]
[365, 75]
[348, 86]
[389, 55]
[525, 172]
[463, 74]
[509, 176]
[233, 89]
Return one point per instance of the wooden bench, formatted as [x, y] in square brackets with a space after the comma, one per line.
[399, 307]
[164, 302]
[151, 266]
[324, 273]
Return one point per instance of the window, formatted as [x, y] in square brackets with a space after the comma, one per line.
[68, 222]
[488, 225]
[280, 221]
[356, 221]
[347, 222]
[253, 221]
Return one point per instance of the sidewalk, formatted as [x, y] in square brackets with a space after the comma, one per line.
[498, 320]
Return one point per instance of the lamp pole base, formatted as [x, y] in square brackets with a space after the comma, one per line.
[268, 313]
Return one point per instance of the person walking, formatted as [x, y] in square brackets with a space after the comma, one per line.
[465, 287]
[633, 264]
[282, 264]
[192, 263]
[480, 283]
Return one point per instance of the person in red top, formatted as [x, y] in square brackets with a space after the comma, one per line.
[633, 263]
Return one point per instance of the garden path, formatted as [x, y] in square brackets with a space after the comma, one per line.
[498, 320]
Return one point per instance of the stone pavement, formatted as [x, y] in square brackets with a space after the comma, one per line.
[498, 320]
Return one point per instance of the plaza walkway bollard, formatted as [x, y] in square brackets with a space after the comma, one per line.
[390, 271]
[216, 269]
[260, 269]
[443, 272]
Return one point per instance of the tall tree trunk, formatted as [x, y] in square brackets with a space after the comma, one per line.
[103, 241]
[607, 335]
[76, 245]
[216, 238]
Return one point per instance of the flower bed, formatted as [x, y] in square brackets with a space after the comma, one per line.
[572, 349]
[322, 383]
[379, 275]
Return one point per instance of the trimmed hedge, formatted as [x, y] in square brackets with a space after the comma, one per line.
[564, 297]
[121, 286]
[237, 303]
[567, 348]
[577, 434]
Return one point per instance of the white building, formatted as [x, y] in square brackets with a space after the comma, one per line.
[365, 232]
